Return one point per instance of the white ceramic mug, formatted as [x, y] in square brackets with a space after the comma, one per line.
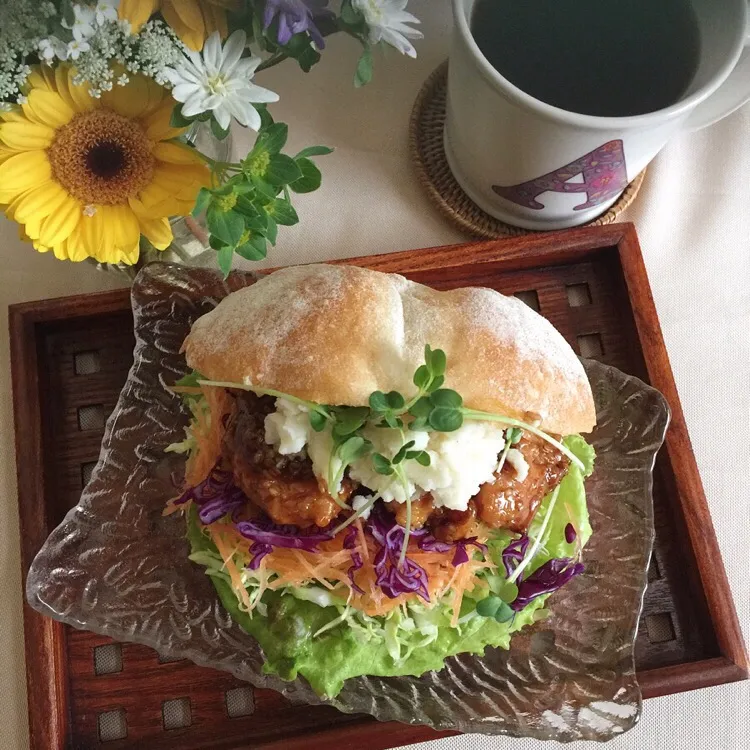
[537, 166]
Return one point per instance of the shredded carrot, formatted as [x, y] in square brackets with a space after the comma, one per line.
[329, 568]
[208, 432]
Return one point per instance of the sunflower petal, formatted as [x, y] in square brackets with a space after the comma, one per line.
[127, 231]
[192, 36]
[83, 101]
[173, 153]
[157, 231]
[23, 171]
[58, 225]
[129, 101]
[91, 232]
[157, 125]
[26, 136]
[47, 108]
[42, 200]
[36, 80]
[137, 12]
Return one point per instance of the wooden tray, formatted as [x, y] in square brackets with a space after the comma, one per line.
[70, 357]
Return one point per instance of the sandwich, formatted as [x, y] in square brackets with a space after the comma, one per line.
[380, 475]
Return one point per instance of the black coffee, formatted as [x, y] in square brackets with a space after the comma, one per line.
[599, 57]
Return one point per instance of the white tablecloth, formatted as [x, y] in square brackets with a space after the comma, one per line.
[694, 224]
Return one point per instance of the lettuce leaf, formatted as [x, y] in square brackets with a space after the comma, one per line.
[286, 632]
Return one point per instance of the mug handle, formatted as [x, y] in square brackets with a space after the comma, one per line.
[730, 96]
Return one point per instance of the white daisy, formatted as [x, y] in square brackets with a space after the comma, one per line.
[386, 21]
[219, 80]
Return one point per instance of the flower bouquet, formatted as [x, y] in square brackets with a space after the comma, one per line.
[99, 104]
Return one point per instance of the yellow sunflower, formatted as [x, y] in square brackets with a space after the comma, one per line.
[192, 20]
[86, 177]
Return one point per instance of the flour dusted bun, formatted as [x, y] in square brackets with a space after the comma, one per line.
[334, 334]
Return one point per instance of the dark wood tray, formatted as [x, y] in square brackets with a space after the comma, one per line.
[70, 357]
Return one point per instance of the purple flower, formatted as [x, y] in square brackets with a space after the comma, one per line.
[295, 16]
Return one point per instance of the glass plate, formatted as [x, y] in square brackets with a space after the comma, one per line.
[117, 567]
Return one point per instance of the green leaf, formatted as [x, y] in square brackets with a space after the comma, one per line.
[437, 362]
[283, 212]
[395, 400]
[363, 73]
[402, 451]
[508, 591]
[282, 170]
[488, 606]
[515, 435]
[272, 230]
[446, 397]
[422, 377]
[421, 408]
[254, 249]
[423, 458]
[266, 119]
[266, 190]
[349, 15]
[381, 464]
[66, 11]
[378, 401]
[310, 179]
[190, 380]
[420, 424]
[215, 242]
[436, 383]
[317, 421]
[350, 419]
[314, 151]
[226, 225]
[225, 259]
[444, 419]
[504, 613]
[273, 138]
[392, 421]
[352, 449]
[307, 58]
[178, 120]
[246, 206]
[201, 201]
[218, 132]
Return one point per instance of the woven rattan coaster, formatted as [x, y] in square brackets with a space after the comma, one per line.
[426, 145]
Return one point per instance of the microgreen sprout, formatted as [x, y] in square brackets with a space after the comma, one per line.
[512, 437]
[529, 556]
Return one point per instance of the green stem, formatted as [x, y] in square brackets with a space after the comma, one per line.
[407, 494]
[275, 59]
[349, 521]
[486, 416]
[537, 542]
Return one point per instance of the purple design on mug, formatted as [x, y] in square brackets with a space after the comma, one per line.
[604, 174]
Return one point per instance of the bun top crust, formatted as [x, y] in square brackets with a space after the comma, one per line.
[334, 334]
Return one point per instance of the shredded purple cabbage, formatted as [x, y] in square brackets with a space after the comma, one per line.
[350, 542]
[570, 533]
[546, 579]
[393, 579]
[215, 496]
[514, 553]
[428, 543]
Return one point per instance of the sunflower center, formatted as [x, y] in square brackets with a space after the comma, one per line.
[102, 157]
[106, 159]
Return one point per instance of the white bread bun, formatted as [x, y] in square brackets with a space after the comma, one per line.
[334, 334]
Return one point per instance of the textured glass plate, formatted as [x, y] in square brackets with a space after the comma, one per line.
[117, 567]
